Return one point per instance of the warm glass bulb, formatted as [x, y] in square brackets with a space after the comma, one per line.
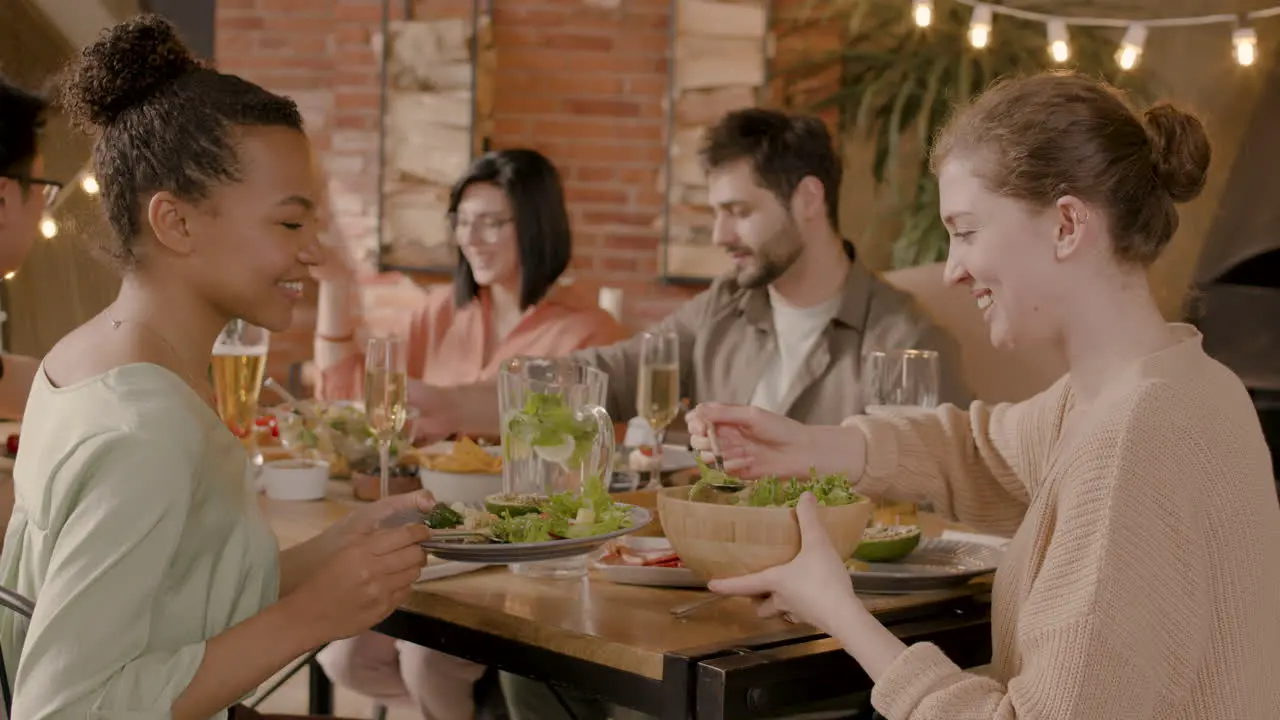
[922, 11]
[980, 26]
[1059, 50]
[1245, 40]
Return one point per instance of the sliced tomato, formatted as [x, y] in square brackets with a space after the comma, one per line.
[662, 559]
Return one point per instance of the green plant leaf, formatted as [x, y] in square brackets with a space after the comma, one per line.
[893, 134]
[857, 15]
[925, 126]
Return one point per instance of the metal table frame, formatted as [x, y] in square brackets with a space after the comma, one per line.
[756, 677]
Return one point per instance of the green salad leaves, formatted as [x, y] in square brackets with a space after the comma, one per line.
[561, 516]
[776, 492]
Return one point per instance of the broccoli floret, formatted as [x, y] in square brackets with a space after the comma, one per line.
[443, 517]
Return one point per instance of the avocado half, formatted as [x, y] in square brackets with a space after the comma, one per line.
[887, 544]
[511, 504]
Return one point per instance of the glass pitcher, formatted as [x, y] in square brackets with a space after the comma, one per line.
[555, 431]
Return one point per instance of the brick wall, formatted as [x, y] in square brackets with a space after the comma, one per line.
[581, 80]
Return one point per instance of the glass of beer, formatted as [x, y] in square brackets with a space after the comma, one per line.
[239, 361]
[658, 392]
[385, 398]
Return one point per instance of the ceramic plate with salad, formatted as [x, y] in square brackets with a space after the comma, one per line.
[526, 528]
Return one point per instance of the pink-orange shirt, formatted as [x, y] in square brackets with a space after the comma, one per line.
[448, 345]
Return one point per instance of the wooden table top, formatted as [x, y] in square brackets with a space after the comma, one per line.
[627, 627]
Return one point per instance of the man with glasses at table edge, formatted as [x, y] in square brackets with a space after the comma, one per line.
[784, 330]
[25, 193]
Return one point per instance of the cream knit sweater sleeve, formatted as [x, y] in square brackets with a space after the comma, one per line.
[1112, 616]
[979, 466]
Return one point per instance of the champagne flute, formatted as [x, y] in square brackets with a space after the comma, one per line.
[385, 398]
[658, 393]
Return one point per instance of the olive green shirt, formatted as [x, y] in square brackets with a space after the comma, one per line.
[727, 341]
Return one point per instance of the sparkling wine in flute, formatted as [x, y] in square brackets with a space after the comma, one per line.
[659, 394]
[385, 400]
[237, 382]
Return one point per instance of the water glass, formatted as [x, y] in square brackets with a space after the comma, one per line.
[902, 377]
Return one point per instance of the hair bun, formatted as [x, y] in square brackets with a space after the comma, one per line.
[1180, 151]
[127, 64]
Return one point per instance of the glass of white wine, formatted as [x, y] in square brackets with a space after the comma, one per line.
[658, 393]
[385, 398]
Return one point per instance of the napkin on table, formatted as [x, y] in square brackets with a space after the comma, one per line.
[447, 568]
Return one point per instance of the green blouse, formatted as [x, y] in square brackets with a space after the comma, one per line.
[138, 538]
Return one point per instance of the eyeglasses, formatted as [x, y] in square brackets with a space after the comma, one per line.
[488, 228]
[51, 187]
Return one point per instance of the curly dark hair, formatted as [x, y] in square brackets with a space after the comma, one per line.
[162, 120]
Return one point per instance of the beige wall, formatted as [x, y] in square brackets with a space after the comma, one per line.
[1192, 67]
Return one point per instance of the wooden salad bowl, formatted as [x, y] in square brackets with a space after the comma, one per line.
[719, 541]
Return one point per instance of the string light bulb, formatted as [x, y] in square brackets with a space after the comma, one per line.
[922, 11]
[48, 228]
[9, 275]
[89, 184]
[1130, 51]
[1245, 40]
[980, 26]
[1059, 49]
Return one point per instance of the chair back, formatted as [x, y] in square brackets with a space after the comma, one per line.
[24, 607]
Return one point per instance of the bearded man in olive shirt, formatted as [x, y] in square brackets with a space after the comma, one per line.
[786, 329]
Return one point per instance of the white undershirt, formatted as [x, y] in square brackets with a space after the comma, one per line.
[796, 330]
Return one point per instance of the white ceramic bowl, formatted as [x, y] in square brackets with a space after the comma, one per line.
[450, 487]
[295, 479]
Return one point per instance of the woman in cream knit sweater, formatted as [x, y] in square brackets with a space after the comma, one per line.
[1143, 580]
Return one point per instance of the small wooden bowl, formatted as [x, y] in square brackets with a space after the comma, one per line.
[368, 486]
[720, 541]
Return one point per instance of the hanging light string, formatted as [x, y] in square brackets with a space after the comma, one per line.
[1244, 38]
[1190, 21]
